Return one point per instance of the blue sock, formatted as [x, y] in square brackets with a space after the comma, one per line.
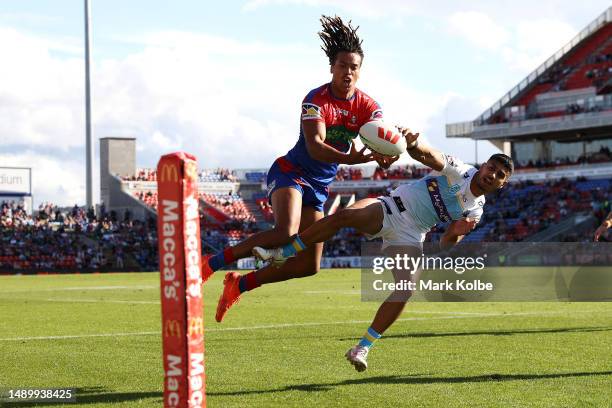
[294, 247]
[248, 282]
[221, 259]
[369, 338]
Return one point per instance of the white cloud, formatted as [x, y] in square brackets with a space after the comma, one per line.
[534, 41]
[479, 29]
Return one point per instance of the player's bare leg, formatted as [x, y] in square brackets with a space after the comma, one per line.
[287, 208]
[365, 215]
[306, 265]
[387, 313]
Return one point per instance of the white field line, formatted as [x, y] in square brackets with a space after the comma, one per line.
[287, 325]
[60, 289]
[140, 302]
[153, 302]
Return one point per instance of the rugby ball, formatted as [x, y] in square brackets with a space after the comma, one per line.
[382, 138]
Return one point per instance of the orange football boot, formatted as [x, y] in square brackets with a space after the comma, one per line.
[230, 295]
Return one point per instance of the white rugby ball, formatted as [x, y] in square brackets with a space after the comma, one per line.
[382, 138]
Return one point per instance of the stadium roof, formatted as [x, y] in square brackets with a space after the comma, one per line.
[481, 127]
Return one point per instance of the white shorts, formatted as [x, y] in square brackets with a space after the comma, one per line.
[397, 229]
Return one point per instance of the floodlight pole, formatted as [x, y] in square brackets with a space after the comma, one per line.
[88, 128]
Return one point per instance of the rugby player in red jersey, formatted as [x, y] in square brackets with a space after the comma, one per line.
[298, 182]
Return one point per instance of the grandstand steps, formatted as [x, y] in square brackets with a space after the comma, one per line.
[255, 211]
[577, 78]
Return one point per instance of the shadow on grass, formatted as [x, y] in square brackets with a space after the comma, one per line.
[95, 395]
[412, 379]
[494, 332]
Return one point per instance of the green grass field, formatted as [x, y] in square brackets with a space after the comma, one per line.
[284, 345]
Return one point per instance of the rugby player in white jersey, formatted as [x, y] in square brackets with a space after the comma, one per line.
[453, 192]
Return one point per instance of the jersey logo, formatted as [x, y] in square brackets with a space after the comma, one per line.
[466, 175]
[311, 111]
[451, 161]
[342, 112]
[437, 201]
[377, 114]
[271, 186]
[399, 203]
[454, 188]
[339, 134]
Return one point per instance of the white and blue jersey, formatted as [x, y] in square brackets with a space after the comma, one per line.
[413, 209]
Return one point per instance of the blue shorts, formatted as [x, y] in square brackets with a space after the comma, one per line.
[283, 173]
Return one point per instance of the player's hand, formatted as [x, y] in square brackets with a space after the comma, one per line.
[600, 231]
[410, 137]
[358, 157]
[461, 227]
[384, 161]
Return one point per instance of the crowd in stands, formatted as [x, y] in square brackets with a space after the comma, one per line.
[348, 173]
[148, 197]
[142, 175]
[71, 239]
[527, 208]
[346, 242]
[602, 156]
[219, 174]
[400, 172]
[231, 205]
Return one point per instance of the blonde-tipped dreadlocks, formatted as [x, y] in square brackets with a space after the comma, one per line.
[338, 37]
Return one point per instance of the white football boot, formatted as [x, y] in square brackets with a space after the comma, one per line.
[275, 255]
[358, 356]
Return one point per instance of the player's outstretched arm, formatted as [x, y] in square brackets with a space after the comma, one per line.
[607, 223]
[314, 134]
[455, 232]
[420, 152]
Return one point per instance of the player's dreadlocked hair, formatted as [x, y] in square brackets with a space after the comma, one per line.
[338, 37]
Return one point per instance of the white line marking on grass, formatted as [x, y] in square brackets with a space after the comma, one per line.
[81, 336]
[289, 325]
[144, 302]
[61, 289]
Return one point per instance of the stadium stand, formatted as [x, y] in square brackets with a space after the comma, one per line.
[73, 240]
[231, 206]
[526, 208]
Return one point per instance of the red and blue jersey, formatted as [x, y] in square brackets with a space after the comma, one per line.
[342, 118]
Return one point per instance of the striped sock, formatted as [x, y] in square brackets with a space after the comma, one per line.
[221, 259]
[248, 282]
[369, 338]
[294, 247]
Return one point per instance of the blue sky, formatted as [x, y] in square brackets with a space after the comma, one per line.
[224, 80]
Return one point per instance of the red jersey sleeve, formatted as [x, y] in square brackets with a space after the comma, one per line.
[369, 110]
